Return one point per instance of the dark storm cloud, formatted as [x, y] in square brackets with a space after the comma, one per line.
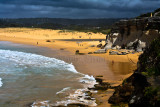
[76, 8]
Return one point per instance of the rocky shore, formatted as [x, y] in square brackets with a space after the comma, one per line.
[142, 87]
[137, 35]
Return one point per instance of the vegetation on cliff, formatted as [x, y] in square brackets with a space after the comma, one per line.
[149, 62]
[155, 13]
[143, 86]
[82, 25]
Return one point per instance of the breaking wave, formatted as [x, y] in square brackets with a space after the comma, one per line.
[29, 59]
[34, 60]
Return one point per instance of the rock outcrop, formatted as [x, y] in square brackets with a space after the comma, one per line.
[142, 88]
[100, 51]
[133, 33]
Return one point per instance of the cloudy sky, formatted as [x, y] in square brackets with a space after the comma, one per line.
[76, 8]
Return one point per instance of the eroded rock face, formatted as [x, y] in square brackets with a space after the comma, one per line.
[125, 32]
[131, 91]
[142, 87]
[110, 40]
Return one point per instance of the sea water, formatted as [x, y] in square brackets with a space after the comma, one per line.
[28, 77]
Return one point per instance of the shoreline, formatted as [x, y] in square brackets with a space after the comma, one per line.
[98, 60]
[94, 64]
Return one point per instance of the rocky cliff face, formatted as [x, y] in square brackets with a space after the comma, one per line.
[143, 87]
[128, 33]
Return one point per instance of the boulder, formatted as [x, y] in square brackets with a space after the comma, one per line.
[113, 53]
[118, 47]
[101, 87]
[100, 51]
[90, 52]
[77, 52]
[130, 44]
[99, 80]
[119, 53]
[76, 105]
[108, 44]
[99, 45]
[62, 48]
[124, 53]
[92, 46]
[99, 76]
[139, 50]
[114, 48]
[140, 46]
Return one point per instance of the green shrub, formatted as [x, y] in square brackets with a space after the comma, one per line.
[150, 92]
[150, 60]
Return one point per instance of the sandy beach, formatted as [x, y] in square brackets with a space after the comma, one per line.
[113, 68]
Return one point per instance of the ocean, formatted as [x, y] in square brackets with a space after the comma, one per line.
[28, 77]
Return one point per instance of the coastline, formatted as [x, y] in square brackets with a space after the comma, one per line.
[69, 48]
[94, 64]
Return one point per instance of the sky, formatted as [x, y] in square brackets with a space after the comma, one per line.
[76, 9]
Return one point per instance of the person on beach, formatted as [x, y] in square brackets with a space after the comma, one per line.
[37, 43]
[112, 62]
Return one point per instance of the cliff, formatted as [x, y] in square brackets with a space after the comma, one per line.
[142, 88]
[133, 33]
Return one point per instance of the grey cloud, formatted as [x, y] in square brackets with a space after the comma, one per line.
[76, 8]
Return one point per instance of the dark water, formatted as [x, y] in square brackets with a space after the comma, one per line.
[28, 76]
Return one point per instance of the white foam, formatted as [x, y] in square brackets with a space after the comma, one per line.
[90, 77]
[79, 96]
[34, 60]
[1, 82]
[29, 59]
[63, 90]
[40, 104]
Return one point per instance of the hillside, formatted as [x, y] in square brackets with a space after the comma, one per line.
[84, 25]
